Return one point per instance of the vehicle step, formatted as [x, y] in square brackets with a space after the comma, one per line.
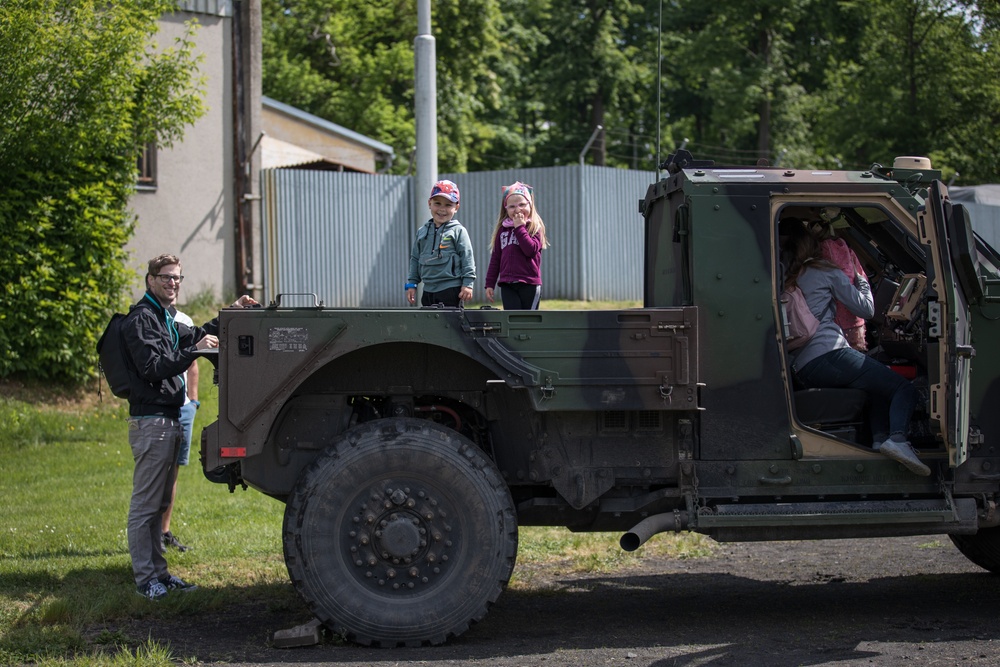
[960, 511]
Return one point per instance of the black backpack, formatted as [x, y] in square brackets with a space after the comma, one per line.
[113, 357]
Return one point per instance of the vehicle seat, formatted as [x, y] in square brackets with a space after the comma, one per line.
[838, 411]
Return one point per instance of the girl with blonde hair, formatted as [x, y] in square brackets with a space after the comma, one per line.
[516, 250]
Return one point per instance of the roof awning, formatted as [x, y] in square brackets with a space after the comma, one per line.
[275, 153]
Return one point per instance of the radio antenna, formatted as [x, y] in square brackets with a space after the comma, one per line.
[659, 85]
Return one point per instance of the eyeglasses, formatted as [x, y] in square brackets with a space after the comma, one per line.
[168, 278]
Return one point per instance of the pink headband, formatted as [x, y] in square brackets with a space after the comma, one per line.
[517, 188]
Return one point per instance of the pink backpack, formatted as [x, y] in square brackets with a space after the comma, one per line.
[800, 323]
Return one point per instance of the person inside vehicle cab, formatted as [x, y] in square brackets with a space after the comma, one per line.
[827, 359]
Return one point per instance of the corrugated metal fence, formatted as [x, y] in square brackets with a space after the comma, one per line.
[346, 237]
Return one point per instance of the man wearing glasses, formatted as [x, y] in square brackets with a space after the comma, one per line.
[161, 349]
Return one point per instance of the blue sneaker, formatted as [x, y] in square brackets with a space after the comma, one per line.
[152, 590]
[171, 583]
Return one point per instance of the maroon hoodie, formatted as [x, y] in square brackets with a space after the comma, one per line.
[516, 258]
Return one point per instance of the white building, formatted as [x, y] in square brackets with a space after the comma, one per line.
[198, 199]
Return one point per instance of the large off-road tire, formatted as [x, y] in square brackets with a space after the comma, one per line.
[402, 533]
[983, 548]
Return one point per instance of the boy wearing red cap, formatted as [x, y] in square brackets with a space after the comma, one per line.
[441, 257]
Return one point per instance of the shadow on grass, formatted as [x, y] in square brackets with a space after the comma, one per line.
[682, 619]
[98, 609]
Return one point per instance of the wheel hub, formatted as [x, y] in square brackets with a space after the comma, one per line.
[400, 539]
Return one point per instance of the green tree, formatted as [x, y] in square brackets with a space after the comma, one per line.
[809, 83]
[922, 82]
[478, 61]
[520, 82]
[83, 87]
[804, 83]
[511, 113]
[353, 64]
[735, 78]
[587, 73]
[350, 63]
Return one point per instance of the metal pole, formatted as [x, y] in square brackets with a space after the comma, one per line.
[425, 110]
[589, 142]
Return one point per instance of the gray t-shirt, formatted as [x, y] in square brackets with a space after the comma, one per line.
[822, 288]
[184, 318]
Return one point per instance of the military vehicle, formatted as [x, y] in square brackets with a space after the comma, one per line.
[409, 444]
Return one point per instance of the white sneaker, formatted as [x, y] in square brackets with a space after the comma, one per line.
[903, 452]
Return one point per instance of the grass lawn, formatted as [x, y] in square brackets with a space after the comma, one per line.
[65, 480]
[65, 483]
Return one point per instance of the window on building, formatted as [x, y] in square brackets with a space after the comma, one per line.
[147, 166]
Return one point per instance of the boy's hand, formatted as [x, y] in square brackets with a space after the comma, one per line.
[489, 294]
[411, 295]
[465, 294]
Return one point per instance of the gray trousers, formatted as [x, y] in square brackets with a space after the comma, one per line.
[155, 442]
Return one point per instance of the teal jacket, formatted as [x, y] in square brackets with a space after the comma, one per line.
[442, 257]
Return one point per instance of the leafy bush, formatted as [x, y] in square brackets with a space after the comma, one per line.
[82, 89]
[62, 275]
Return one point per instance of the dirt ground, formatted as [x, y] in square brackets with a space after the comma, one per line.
[901, 601]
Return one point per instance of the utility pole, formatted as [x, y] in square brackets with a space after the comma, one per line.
[425, 109]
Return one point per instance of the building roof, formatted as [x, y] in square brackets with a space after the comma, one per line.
[327, 126]
[212, 7]
[276, 153]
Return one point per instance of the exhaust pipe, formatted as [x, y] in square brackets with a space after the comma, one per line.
[658, 523]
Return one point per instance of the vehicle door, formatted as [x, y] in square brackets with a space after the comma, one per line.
[949, 294]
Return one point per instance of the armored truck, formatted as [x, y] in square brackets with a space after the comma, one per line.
[409, 444]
